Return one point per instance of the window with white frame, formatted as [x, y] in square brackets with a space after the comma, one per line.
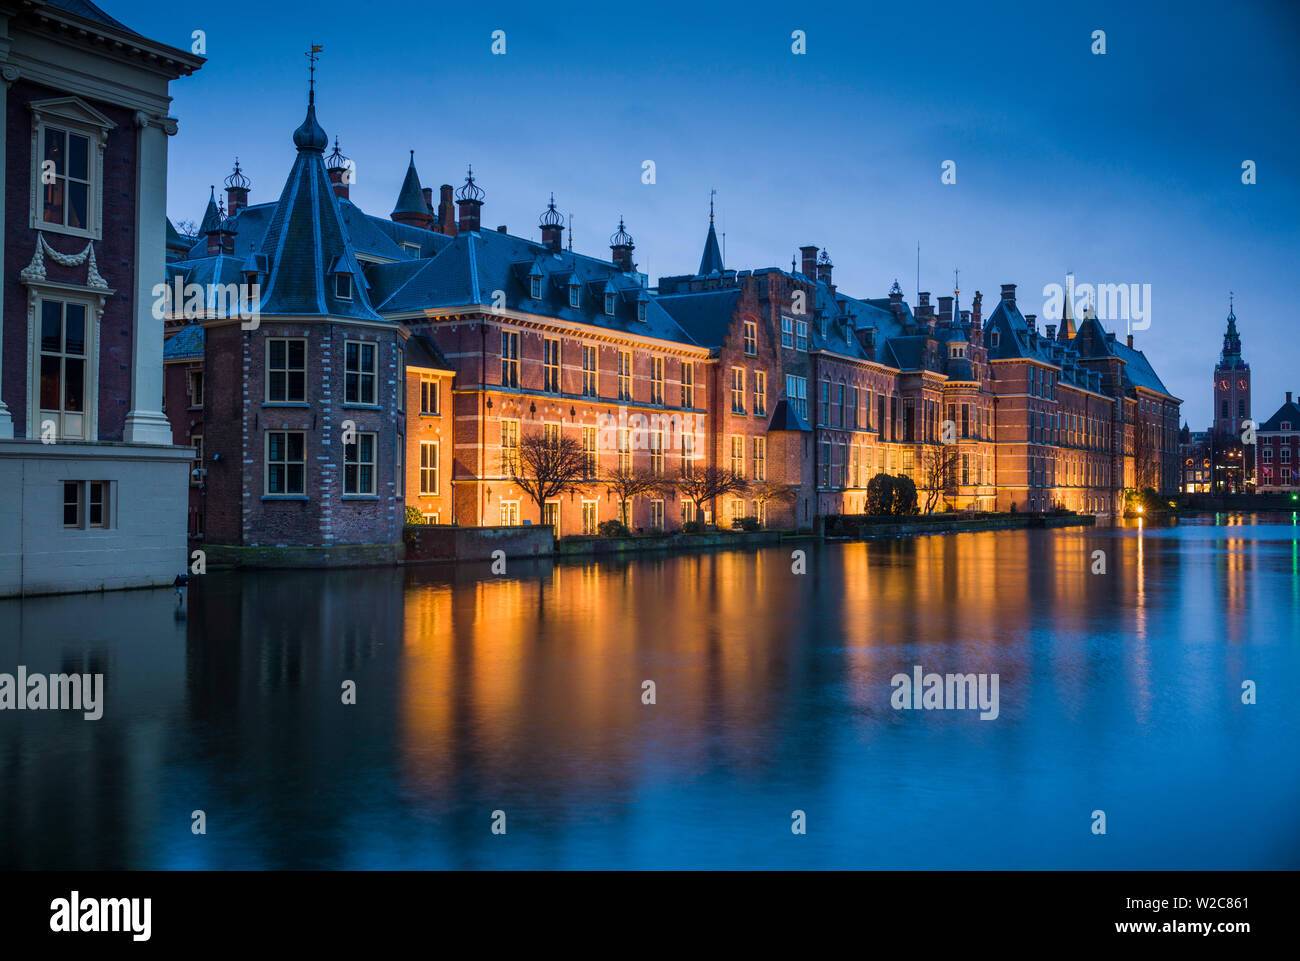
[688, 383]
[624, 450]
[589, 451]
[738, 455]
[86, 505]
[343, 286]
[590, 511]
[657, 515]
[760, 458]
[196, 464]
[801, 335]
[656, 380]
[359, 465]
[535, 288]
[428, 467]
[286, 370]
[588, 371]
[796, 391]
[68, 136]
[194, 386]
[787, 332]
[737, 390]
[286, 463]
[625, 375]
[510, 358]
[430, 396]
[509, 447]
[510, 513]
[657, 452]
[760, 393]
[751, 339]
[360, 372]
[66, 368]
[609, 304]
[551, 365]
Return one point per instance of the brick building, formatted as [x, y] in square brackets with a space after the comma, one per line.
[1278, 440]
[777, 374]
[96, 489]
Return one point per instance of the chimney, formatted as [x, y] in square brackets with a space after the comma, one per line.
[895, 300]
[1009, 295]
[808, 263]
[975, 315]
[923, 309]
[621, 247]
[1130, 341]
[1288, 396]
[1051, 332]
[824, 266]
[236, 191]
[945, 310]
[337, 168]
[469, 200]
[1032, 321]
[501, 229]
[428, 197]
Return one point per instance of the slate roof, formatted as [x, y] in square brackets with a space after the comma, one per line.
[211, 217]
[1288, 412]
[711, 261]
[88, 11]
[410, 199]
[785, 417]
[421, 351]
[706, 315]
[185, 343]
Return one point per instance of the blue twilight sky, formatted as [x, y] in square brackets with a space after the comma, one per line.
[1125, 168]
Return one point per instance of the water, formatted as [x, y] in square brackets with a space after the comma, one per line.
[1118, 692]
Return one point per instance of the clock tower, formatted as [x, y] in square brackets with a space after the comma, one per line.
[1231, 383]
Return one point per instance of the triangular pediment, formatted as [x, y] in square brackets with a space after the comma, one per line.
[70, 108]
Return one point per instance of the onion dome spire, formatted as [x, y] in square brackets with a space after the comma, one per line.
[550, 216]
[469, 200]
[237, 180]
[336, 160]
[621, 244]
[621, 238]
[469, 190]
[310, 135]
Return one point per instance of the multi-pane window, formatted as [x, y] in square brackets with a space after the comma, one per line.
[801, 335]
[509, 447]
[760, 458]
[64, 369]
[551, 435]
[510, 358]
[855, 473]
[688, 454]
[510, 513]
[551, 365]
[196, 464]
[760, 392]
[589, 451]
[688, 511]
[194, 386]
[286, 371]
[97, 504]
[430, 396]
[840, 399]
[751, 339]
[737, 390]
[656, 380]
[787, 332]
[359, 465]
[428, 467]
[589, 517]
[624, 450]
[965, 420]
[360, 372]
[65, 179]
[609, 304]
[535, 288]
[71, 503]
[656, 452]
[796, 391]
[826, 403]
[853, 410]
[286, 462]
[738, 455]
[575, 294]
[625, 375]
[826, 464]
[588, 371]
[688, 383]
[657, 515]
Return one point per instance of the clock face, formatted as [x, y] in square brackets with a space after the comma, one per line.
[1223, 385]
[1241, 384]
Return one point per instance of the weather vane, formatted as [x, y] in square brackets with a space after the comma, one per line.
[311, 55]
[712, 193]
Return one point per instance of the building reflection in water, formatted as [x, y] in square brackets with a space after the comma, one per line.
[523, 692]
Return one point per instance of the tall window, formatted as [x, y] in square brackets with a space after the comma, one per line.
[510, 513]
[625, 375]
[796, 391]
[359, 465]
[286, 371]
[826, 403]
[688, 383]
[196, 464]
[588, 371]
[738, 455]
[839, 396]
[551, 435]
[428, 467]
[509, 358]
[65, 179]
[63, 369]
[787, 332]
[509, 447]
[760, 458]
[589, 451]
[760, 392]
[624, 450]
[751, 339]
[737, 390]
[855, 473]
[657, 452]
[286, 462]
[194, 386]
[688, 454]
[657, 515]
[551, 365]
[853, 410]
[589, 517]
[656, 380]
[801, 335]
[609, 304]
[360, 372]
[430, 396]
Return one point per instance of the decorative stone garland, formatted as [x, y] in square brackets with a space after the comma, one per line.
[35, 271]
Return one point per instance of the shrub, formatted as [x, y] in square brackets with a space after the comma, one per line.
[613, 529]
[413, 515]
[745, 524]
[693, 527]
[904, 496]
[880, 495]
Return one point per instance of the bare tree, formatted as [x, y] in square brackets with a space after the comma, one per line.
[709, 483]
[544, 468]
[938, 473]
[765, 492]
[187, 228]
[627, 483]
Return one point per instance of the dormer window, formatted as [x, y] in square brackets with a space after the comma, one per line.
[995, 336]
[343, 286]
[640, 311]
[575, 295]
[1286, 425]
[412, 250]
[609, 304]
[956, 351]
[535, 288]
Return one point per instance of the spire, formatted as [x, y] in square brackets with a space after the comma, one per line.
[469, 200]
[212, 215]
[237, 190]
[338, 167]
[1067, 329]
[411, 208]
[622, 246]
[955, 320]
[711, 262]
[1231, 356]
[552, 223]
[310, 136]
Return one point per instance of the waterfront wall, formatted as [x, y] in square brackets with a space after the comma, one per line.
[445, 542]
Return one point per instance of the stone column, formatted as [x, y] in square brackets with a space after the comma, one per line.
[8, 74]
[145, 422]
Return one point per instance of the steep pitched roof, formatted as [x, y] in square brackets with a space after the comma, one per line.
[785, 417]
[711, 261]
[211, 216]
[410, 199]
[1289, 412]
[307, 241]
[421, 351]
[185, 343]
[706, 316]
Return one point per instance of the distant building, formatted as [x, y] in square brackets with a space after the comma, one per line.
[1278, 440]
[94, 488]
